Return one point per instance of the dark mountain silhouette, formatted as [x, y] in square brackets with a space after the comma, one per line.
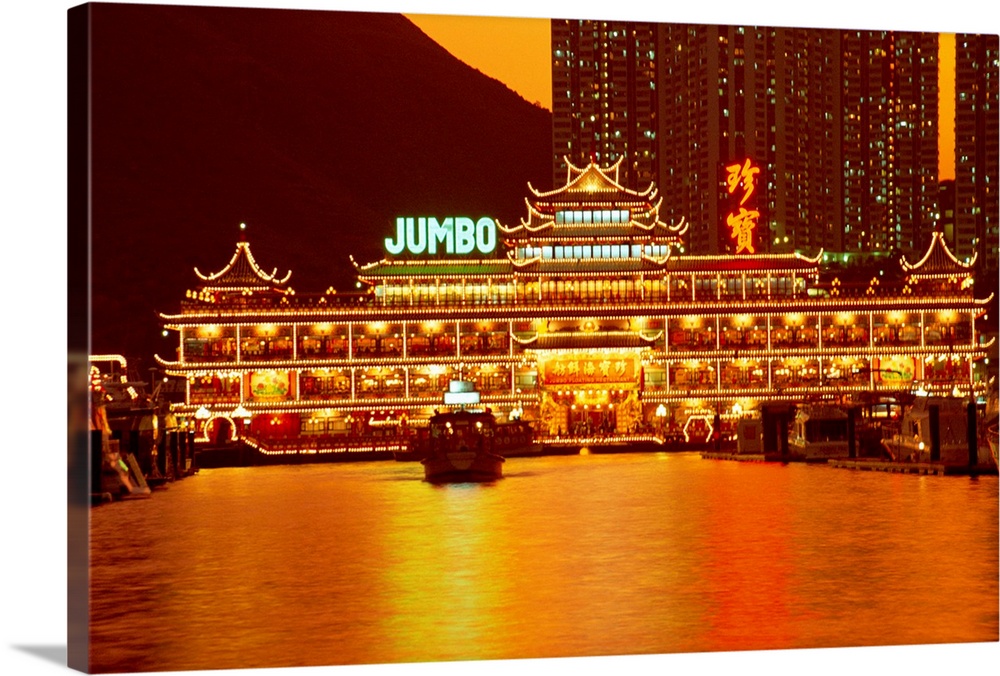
[315, 128]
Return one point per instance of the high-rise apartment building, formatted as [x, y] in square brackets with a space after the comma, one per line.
[946, 209]
[890, 139]
[841, 124]
[604, 100]
[767, 94]
[977, 118]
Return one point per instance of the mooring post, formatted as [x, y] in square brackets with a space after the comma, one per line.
[783, 430]
[96, 461]
[971, 432]
[174, 454]
[133, 447]
[160, 444]
[191, 447]
[852, 444]
[935, 429]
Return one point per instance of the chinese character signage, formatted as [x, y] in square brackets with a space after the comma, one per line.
[742, 217]
[603, 370]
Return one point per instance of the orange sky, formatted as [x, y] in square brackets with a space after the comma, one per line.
[946, 106]
[516, 52]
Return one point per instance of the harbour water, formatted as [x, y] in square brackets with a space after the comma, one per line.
[354, 563]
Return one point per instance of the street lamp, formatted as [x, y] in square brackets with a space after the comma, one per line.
[200, 416]
[241, 415]
[661, 416]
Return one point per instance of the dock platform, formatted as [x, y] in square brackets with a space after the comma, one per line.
[739, 457]
[935, 468]
[761, 457]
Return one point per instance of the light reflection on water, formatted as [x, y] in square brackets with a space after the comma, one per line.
[579, 555]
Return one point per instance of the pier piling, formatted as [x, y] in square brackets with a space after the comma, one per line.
[174, 454]
[971, 433]
[96, 461]
[934, 422]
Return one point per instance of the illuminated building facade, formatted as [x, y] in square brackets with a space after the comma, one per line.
[605, 102]
[584, 319]
[842, 123]
[977, 147]
[891, 140]
[770, 93]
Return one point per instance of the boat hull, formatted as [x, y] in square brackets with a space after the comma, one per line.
[463, 466]
[817, 451]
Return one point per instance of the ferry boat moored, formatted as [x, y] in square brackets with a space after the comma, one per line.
[939, 430]
[819, 433]
[462, 448]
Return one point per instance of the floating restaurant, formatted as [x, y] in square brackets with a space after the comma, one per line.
[585, 318]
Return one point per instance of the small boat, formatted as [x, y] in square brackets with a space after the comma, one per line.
[936, 430]
[511, 439]
[991, 426]
[412, 452]
[462, 447]
[514, 439]
[819, 433]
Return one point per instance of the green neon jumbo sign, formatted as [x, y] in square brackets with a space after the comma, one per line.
[453, 235]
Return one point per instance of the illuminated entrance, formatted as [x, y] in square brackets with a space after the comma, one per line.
[589, 392]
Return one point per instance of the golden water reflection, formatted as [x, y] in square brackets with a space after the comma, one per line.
[582, 555]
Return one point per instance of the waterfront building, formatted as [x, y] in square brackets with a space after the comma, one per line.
[582, 318]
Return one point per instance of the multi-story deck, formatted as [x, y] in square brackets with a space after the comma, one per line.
[588, 319]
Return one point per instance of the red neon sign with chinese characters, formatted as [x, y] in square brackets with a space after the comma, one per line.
[742, 220]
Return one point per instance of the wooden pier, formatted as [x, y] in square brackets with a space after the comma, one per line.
[739, 457]
[869, 464]
[761, 457]
[935, 468]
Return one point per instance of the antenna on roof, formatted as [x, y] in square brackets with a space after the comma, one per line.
[243, 232]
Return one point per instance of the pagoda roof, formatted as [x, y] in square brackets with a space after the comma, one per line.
[583, 266]
[938, 261]
[242, 272]
[386, 268]
[673, 264]
[593, 189]
[607, 232]
[793, 262]
[590, 183]
[579, 340]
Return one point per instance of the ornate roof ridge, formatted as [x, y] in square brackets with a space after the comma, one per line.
[599, 180]
[547, 221]
[937, 259]
[424, 262]
[242, 269]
